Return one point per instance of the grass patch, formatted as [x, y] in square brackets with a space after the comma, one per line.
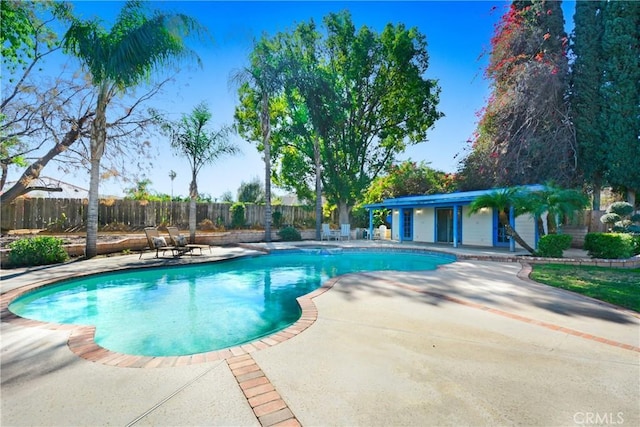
[614, 285]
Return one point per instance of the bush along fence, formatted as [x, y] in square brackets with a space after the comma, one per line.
[121, 215]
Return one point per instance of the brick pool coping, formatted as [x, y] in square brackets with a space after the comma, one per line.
[81, 339]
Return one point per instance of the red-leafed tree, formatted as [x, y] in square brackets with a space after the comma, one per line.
[524, 133]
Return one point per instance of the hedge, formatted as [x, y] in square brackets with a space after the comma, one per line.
[552, 245]
[609, 245]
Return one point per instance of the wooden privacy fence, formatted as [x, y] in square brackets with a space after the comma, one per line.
[71, 214]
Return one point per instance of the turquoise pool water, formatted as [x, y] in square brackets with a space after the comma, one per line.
[198, 308]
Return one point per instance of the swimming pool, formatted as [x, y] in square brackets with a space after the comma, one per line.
[184, 310]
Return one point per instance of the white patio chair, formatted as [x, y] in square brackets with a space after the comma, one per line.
[345, 231]
[328, 233]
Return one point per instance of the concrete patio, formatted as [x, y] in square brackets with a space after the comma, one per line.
[471, 343]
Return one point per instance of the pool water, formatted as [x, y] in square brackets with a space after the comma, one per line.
[192, 309]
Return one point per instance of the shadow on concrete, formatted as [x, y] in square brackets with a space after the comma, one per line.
[491, 284]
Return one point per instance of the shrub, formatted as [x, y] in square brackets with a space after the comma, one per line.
[620, 218]
[609, 245]
[289, 234]
[610, 218]
[37, 251]
[277, 219]
[621, 208]
[237, 215]
[207, 225]
[636, 244]
[552, 245]
[360, 217]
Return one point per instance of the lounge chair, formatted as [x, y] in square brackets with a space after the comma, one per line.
[180, 241]
[345, 231]
[328, 233]
[157, 242]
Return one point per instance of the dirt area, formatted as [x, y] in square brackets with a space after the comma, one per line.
[67, 238]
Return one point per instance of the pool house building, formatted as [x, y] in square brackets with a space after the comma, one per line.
[444, 218]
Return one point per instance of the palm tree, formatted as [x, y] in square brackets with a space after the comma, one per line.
[555, 202]
[503, 200]
[191, 138]
[122, 58]
[172, 176]
[263, 77]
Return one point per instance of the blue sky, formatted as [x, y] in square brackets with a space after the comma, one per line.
[457, 32]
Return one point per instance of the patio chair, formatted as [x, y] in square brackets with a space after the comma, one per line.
[157, 242]
[345, 231]
[328, 233]
[180, 241]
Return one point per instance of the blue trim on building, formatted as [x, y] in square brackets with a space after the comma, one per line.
[447, 199]
[455, 201]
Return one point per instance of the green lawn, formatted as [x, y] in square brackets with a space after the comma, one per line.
[614, 285]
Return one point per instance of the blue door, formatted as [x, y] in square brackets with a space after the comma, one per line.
[500, 237]
[407, 224]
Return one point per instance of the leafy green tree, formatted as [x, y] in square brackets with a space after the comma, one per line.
[251, 192]
[191, 138]
[501, 201]
[358, 98]
[406, 179]
[586, 102]
[137, 44]
[384, 103]
[24, 35]
[227, 197]
[620, 91]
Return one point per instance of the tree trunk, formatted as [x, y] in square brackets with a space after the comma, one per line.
[318, 161]
[193, 197]
[552, 223]
[266, 136]
[596, 196]
[5, 170]
[540, 225]
[98, 141]
[515, 236]
[91, 248]
[267, 193]
[343, 212]
[631, 198]
[33, 171]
